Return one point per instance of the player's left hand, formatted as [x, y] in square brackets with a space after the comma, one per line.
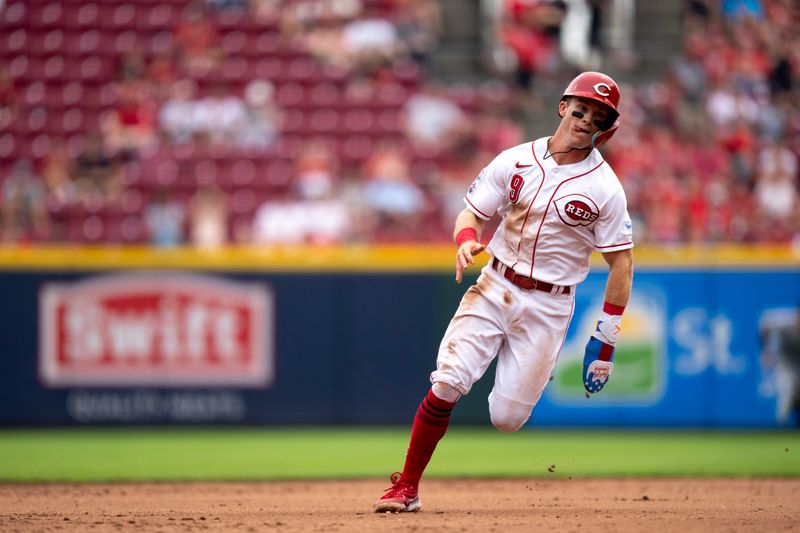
[597, 364]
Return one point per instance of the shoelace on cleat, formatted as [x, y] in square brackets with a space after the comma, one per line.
[395, 480]
[398, 485]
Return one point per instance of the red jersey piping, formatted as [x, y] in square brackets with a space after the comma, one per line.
[613, 245]
[528, 212]
[487, 217]
[547, 207]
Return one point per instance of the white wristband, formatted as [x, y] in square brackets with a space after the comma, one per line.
[608, 328]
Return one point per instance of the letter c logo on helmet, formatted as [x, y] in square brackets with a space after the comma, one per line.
[602, 89]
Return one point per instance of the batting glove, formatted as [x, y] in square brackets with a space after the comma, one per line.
[597, 364]
[598, 360]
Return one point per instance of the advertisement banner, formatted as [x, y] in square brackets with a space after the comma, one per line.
[699, 347]
[155, 329]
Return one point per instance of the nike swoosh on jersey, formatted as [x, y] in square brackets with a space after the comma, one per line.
[522, 166]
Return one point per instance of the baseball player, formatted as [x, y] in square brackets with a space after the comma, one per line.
[558, 201]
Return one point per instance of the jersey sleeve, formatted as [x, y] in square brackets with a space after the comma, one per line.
[487, 193]
[613, 230]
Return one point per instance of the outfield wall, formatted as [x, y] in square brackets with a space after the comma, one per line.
[349, 336]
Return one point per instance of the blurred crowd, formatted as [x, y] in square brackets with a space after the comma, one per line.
[201, 138]
[710, 153]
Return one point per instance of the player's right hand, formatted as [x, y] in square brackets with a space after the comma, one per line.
[466, 256]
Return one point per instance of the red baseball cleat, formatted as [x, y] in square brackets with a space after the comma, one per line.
[401, 497]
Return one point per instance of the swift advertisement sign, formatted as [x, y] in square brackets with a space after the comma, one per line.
[156, 330]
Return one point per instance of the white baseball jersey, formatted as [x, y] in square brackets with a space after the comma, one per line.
[554, 216]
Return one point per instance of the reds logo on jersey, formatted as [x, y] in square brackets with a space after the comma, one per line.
[577, 210]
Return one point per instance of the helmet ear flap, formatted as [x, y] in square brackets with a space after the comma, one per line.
[602, 137]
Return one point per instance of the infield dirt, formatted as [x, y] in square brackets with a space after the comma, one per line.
[684, 505]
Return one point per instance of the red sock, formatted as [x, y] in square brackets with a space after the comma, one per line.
[430, 425]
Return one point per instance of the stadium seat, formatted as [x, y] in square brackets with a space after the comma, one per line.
[47, 15]
[47, 43]
[72, 121]
[267, 43]
[13, 42]
[158, 17]
[392, 95]
[289, 95]
[304, 70]
[268, 68]
[131, 201]
[240, 174]
[84, 17]
[389, 122]
[159, 43]
[359, 120]
[89, 41]
[89, 229]
[278, 174]
[54, 68]
[233, 43]
[37, 119]
[107, 93]
[243, 201]
[166, 173]
[131, 229]
[8, 148]
[124, 41]
[34, 94]
[23, 70]
[73, 93]
[92, 69]
[293, 121]
[113, 16]
[289, 145]
[324, 120]
[14, 14]
[324, 94]
[337, 74]
[235, 71]
[205, 173]
[40, 146]
[231, 20]
[355, 149]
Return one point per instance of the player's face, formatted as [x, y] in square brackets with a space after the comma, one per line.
[583, 119]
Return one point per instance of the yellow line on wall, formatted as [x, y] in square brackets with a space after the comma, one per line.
[385, 258]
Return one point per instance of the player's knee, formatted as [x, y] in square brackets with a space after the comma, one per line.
[508, 424]
[445, 392]
[507, 416]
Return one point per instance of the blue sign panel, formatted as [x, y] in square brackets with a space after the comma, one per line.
[694, 351]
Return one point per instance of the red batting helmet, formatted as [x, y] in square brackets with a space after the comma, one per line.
[600, 88]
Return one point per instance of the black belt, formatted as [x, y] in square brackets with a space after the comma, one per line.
[529, 284]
